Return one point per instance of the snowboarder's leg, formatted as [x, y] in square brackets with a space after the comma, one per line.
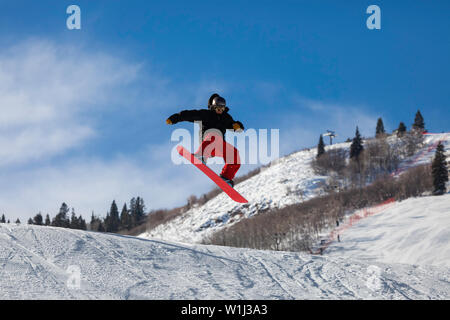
[211, 146]
[214, 145]
[203, 152]
[232, 162]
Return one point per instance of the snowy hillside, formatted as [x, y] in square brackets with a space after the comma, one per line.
[39, 263]
[287, 181]
[415, 231]
[426, 154]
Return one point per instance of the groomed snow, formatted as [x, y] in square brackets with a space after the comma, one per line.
[415, 231]
[34, 264]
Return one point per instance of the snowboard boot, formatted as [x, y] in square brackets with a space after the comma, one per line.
[228, 181]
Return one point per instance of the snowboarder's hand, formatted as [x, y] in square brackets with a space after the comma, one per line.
[236, 126]
[168, 121]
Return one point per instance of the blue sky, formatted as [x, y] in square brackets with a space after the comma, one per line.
[84, 110]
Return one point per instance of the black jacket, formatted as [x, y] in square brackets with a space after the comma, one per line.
[209, 118]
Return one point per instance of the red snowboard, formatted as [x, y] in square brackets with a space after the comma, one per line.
[212, 175]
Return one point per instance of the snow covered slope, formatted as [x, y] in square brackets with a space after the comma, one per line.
[415, 231]
[426, 154]
[287, 181]
[34, 264]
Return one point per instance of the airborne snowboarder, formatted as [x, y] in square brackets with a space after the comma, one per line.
[214, 122]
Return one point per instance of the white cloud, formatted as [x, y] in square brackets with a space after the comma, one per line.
[45, 89]
[39, 142]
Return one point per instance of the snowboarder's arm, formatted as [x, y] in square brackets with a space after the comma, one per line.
[185, 115]
[238, 126]
[235, 125]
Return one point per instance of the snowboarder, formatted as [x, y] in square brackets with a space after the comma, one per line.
[214, 122]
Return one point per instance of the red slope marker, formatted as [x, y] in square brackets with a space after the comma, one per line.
[212, 175]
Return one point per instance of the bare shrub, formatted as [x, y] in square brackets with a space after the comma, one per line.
[333, 160]
[379, 158]
[414, 182]
[412, 142]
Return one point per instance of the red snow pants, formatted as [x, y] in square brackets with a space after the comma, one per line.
[213, 145]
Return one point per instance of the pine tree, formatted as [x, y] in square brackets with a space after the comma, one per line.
[30, 221]
[125, 218]
[74, 224]
[439, 171]
[93, 226]
[18, 221]
[401, 130]
[61, 219]
[320, 147]
[107, 222]
[101, 227]
[419, 124]
[132, 212]
[47, 220]
[112, 221]
[37, 220]
[380, 128]
[356, 147]
[137, 211]
[81, 223]
[3, 220]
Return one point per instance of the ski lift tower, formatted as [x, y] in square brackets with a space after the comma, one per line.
[331, 134]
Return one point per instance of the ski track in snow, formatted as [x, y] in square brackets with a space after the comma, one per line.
[34, 261]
